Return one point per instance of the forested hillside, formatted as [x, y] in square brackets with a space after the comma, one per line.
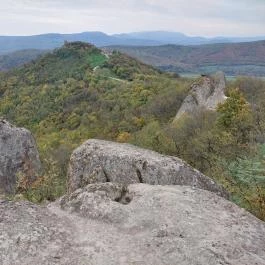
[79, 92]
[232, 58]
[16, 59]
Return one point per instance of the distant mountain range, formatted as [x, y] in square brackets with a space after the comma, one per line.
[150, 38]
[166, 37]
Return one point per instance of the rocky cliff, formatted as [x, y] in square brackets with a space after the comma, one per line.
[103, 161]
[18, 156]
[115, 224]
[205, 93]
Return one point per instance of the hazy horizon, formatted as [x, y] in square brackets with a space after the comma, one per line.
[131, 32]
[207, 18]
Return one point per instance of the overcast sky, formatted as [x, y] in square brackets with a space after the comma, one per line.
[193, 17]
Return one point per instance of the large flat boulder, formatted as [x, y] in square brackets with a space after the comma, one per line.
[206, 93]
[18, 157]
[32, 235]
[98, 161]
[116, 224]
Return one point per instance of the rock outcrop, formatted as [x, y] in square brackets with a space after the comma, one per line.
[115, 224]
[18, 155]
[98, 161]
[206, 93]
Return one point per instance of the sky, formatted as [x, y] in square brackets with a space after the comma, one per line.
[193, 17]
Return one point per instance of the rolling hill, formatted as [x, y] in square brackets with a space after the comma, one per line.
[81, 90]
[233, 58]
[78, 92]
[18, 58]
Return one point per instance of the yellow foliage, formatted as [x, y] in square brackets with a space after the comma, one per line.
[139, 122]
[123, 137]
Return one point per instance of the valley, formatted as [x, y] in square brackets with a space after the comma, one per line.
[79, 92]
[232, 58]
[132, 132]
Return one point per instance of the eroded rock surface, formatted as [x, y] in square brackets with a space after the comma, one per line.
[115, 224]
[31, 235]
[18, 155]
[98, 161]
[206, 93]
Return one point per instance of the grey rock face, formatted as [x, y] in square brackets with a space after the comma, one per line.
[18, 155]
[98, 161]
[31, 235]
[115, 224]
[206, 93]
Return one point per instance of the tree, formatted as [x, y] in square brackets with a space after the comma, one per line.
[235, 117]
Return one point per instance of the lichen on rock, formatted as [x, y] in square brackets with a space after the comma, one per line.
[98, 161]
[170, 225]
[19, 157]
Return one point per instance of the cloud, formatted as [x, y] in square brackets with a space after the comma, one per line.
[194, 17]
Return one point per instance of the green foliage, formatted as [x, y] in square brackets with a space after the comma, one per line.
[78, 92]
[126, 67]
[254, 91]
[248, 178]
[197, 140]
[153, 137]
[64, 101]
[234, 110]
[48, 187]
[236, 117]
